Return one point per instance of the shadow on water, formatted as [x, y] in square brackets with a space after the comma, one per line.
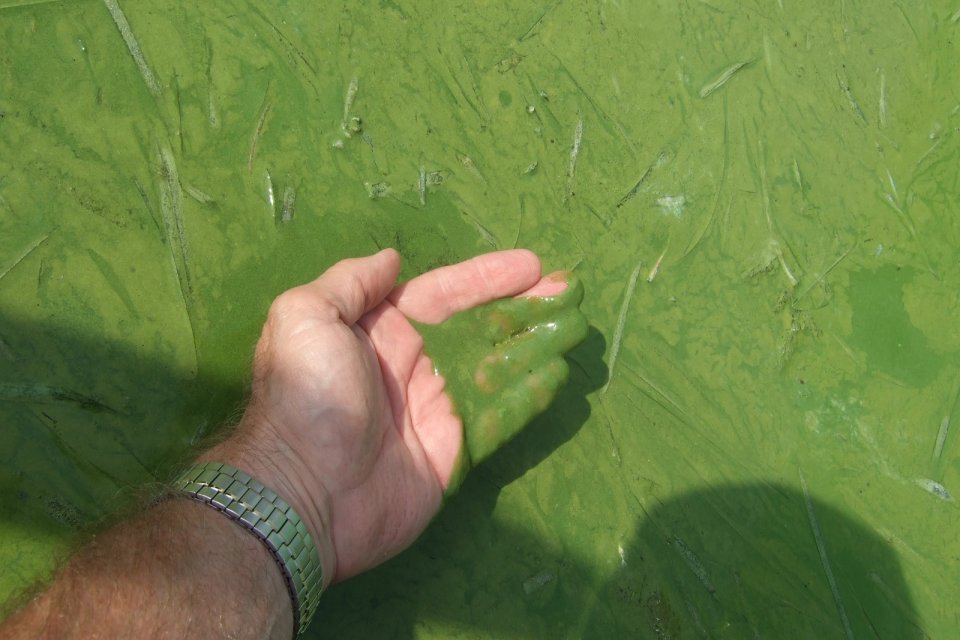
[437, 577]
[568, 413]
[749, 561]
[738, 561]
[84, 420]
[88, 423]
[85, 424]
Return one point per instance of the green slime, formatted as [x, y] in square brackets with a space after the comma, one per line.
[762, 200]
[502, 365]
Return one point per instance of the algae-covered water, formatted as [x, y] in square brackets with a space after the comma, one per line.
[759, 438]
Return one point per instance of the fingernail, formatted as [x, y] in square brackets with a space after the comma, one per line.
[554, 284]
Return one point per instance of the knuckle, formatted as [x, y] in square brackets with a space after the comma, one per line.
[284, 303]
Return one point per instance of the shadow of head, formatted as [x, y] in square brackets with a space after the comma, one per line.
[749, 561]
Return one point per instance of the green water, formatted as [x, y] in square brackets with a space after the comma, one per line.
[761, 199]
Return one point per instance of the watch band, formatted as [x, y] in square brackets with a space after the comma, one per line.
[268, 516]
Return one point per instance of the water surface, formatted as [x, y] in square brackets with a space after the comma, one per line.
[761, 199]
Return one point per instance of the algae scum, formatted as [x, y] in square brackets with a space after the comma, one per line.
[759, 435]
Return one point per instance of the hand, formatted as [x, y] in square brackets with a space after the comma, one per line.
[502, 362]
[348, 419]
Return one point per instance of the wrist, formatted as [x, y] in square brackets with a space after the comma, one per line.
[265, 459]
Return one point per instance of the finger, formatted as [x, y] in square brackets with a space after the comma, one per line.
[553, 295]
[437, 425]
[550, 285]
[355, 286]
[436, 295]
[398, 347]
[529, 350]
[515, 407]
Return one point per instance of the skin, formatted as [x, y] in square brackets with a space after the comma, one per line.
[350, 423]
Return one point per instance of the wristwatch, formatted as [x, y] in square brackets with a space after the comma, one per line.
[266, 515]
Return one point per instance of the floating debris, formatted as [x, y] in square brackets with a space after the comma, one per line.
[484, 232]
[944, 429]
[351, 95]
[722, 79]
[941, 437]
[289, 202]
[621, 323]
[46, 394]
[471, 166]
[133, 46]
[672, 205]
[65, 513]
[824, 560]
[622, 554]
[767, 55]
[171, 211]
[510, 62]
[350, 125]
[213, 117]
[422, 185]
[630, 195]
[538, 580]
[905, 218]
[662, 158]
[797, 176]
[23, 254]
[845, 87]
[436, 178]
[198, 195]
[766, 261]
[530, 32]
[935, 488]
[377, 190]
[354, 127]
[893, 185]
[271, 194]
[265, 109]
[531, 168]
[574, 154]
[656, 267]
[823, 275]
[694, 563]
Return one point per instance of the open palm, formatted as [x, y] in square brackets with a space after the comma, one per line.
[368, 439]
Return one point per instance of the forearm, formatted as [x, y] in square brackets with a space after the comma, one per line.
[179, 570]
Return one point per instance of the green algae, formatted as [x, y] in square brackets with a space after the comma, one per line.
[502, 363]
[743, 148]
[882, 328]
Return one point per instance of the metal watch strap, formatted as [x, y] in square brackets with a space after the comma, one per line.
[265, 514]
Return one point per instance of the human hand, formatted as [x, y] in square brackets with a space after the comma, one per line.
[348, 419]
[502, 362]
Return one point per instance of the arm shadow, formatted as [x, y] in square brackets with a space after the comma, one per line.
[86, 422]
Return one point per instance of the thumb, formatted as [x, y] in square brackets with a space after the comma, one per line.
[356, 285]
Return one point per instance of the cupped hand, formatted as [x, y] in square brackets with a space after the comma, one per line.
[348, 418]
